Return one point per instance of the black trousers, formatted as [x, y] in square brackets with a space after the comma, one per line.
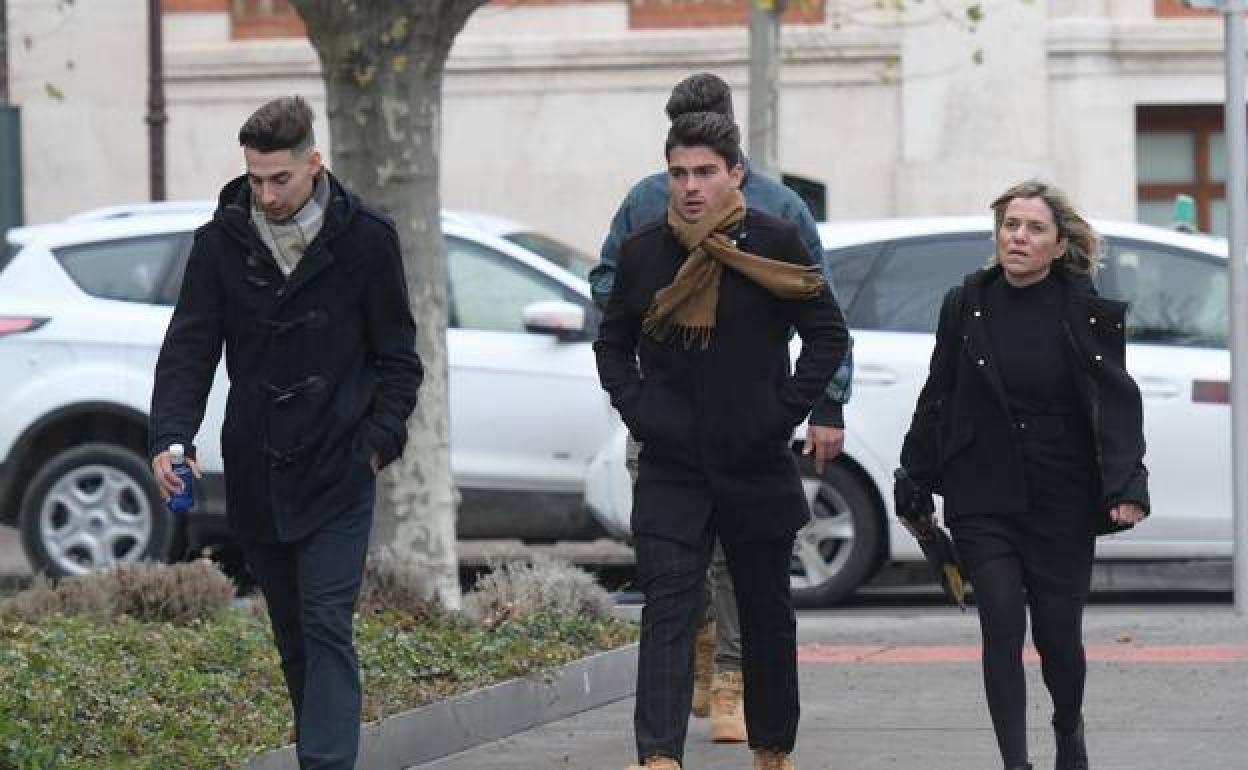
[311, 587]
[672, 577]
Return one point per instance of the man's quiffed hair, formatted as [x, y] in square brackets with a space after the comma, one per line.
[706, 129]
[282, 124]
[702, 92]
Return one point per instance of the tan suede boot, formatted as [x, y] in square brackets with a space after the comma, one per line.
[727, 709]
[657, 763]
[765, 759]
[703, 669]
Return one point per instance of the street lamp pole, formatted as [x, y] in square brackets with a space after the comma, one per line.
[764, 139]
[1237, 200]
[156, 116]
[1234, 121]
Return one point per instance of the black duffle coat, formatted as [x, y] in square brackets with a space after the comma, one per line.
[322, 364]
[964, 443]
[715, 423]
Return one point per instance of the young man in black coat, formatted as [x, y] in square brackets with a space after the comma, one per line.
[303, 284]
[704, 301]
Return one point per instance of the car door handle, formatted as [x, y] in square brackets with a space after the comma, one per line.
[868, 374]
[1158, 387]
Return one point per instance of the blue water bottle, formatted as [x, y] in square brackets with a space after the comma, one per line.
[183, 500]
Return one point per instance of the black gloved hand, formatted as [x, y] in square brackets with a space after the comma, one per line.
[913, 503]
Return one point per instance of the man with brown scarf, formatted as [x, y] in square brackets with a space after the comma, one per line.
[704, 301]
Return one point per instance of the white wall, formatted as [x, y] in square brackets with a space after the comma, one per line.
[81, 82]
[970, 130]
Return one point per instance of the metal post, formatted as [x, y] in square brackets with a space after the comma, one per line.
[1237, 195]
[764, 85]
[4, 52]
[156, 117]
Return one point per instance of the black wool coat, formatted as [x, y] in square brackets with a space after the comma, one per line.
[963, 441]
[322, 364]
[715, 423]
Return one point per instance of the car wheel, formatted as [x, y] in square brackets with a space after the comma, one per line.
[839, 549]
[93, 507]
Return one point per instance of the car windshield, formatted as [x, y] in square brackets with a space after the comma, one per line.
[568, 257]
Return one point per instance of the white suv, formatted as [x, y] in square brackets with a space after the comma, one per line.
[891, 276]
[83, 308]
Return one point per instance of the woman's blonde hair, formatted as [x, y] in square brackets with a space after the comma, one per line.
[1083, 244]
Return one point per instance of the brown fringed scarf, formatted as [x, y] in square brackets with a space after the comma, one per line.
[687, 306]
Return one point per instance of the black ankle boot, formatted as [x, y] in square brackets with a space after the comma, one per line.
[1072, 752]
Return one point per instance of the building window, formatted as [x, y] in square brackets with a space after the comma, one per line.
[194, 6]
[667, 14]
[1181, 150]
[249, 19]
[1175, 9]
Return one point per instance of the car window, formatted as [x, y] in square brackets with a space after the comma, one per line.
[1177, 297]
[172, 285]
[850, 266]
[904, 290]
[489, 290]
[568, 257]
[131, 269]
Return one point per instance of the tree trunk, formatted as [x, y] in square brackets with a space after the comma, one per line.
[383, 63]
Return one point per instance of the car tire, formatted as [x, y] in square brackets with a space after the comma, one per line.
[840, 548]
[92, 507]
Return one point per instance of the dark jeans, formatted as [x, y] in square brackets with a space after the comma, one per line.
[672, 576]
[311, 587]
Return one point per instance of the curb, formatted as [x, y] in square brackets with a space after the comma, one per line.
[430, 732]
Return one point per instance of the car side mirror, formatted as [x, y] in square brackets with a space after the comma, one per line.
[565, 320]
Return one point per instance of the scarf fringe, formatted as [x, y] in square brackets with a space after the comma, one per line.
[662, 330]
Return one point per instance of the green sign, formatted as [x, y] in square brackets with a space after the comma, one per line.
[1184, 216]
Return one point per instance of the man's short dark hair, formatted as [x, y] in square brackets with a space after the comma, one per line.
[282, 124]
[712, 130]
[702, 92]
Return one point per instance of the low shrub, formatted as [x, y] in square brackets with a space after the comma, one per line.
[177, 593]
[539, 586]
[394, 583]
[160, 593]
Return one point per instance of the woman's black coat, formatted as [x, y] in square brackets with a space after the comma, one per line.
[715, 424]
[322, 365]
[963, 442]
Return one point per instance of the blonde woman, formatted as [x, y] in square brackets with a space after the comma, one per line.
[1031, 429]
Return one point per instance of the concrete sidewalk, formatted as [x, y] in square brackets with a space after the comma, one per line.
[901, 688]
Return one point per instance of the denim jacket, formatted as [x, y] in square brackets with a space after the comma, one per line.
[647, 202]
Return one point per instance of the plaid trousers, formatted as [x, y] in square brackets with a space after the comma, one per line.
[672, 577]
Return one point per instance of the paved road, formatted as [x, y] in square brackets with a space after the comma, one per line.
[898, 687]
[12, 560]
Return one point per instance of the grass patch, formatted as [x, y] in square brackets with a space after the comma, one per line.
[85, 692]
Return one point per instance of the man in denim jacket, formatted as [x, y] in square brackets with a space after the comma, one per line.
[717, 689]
